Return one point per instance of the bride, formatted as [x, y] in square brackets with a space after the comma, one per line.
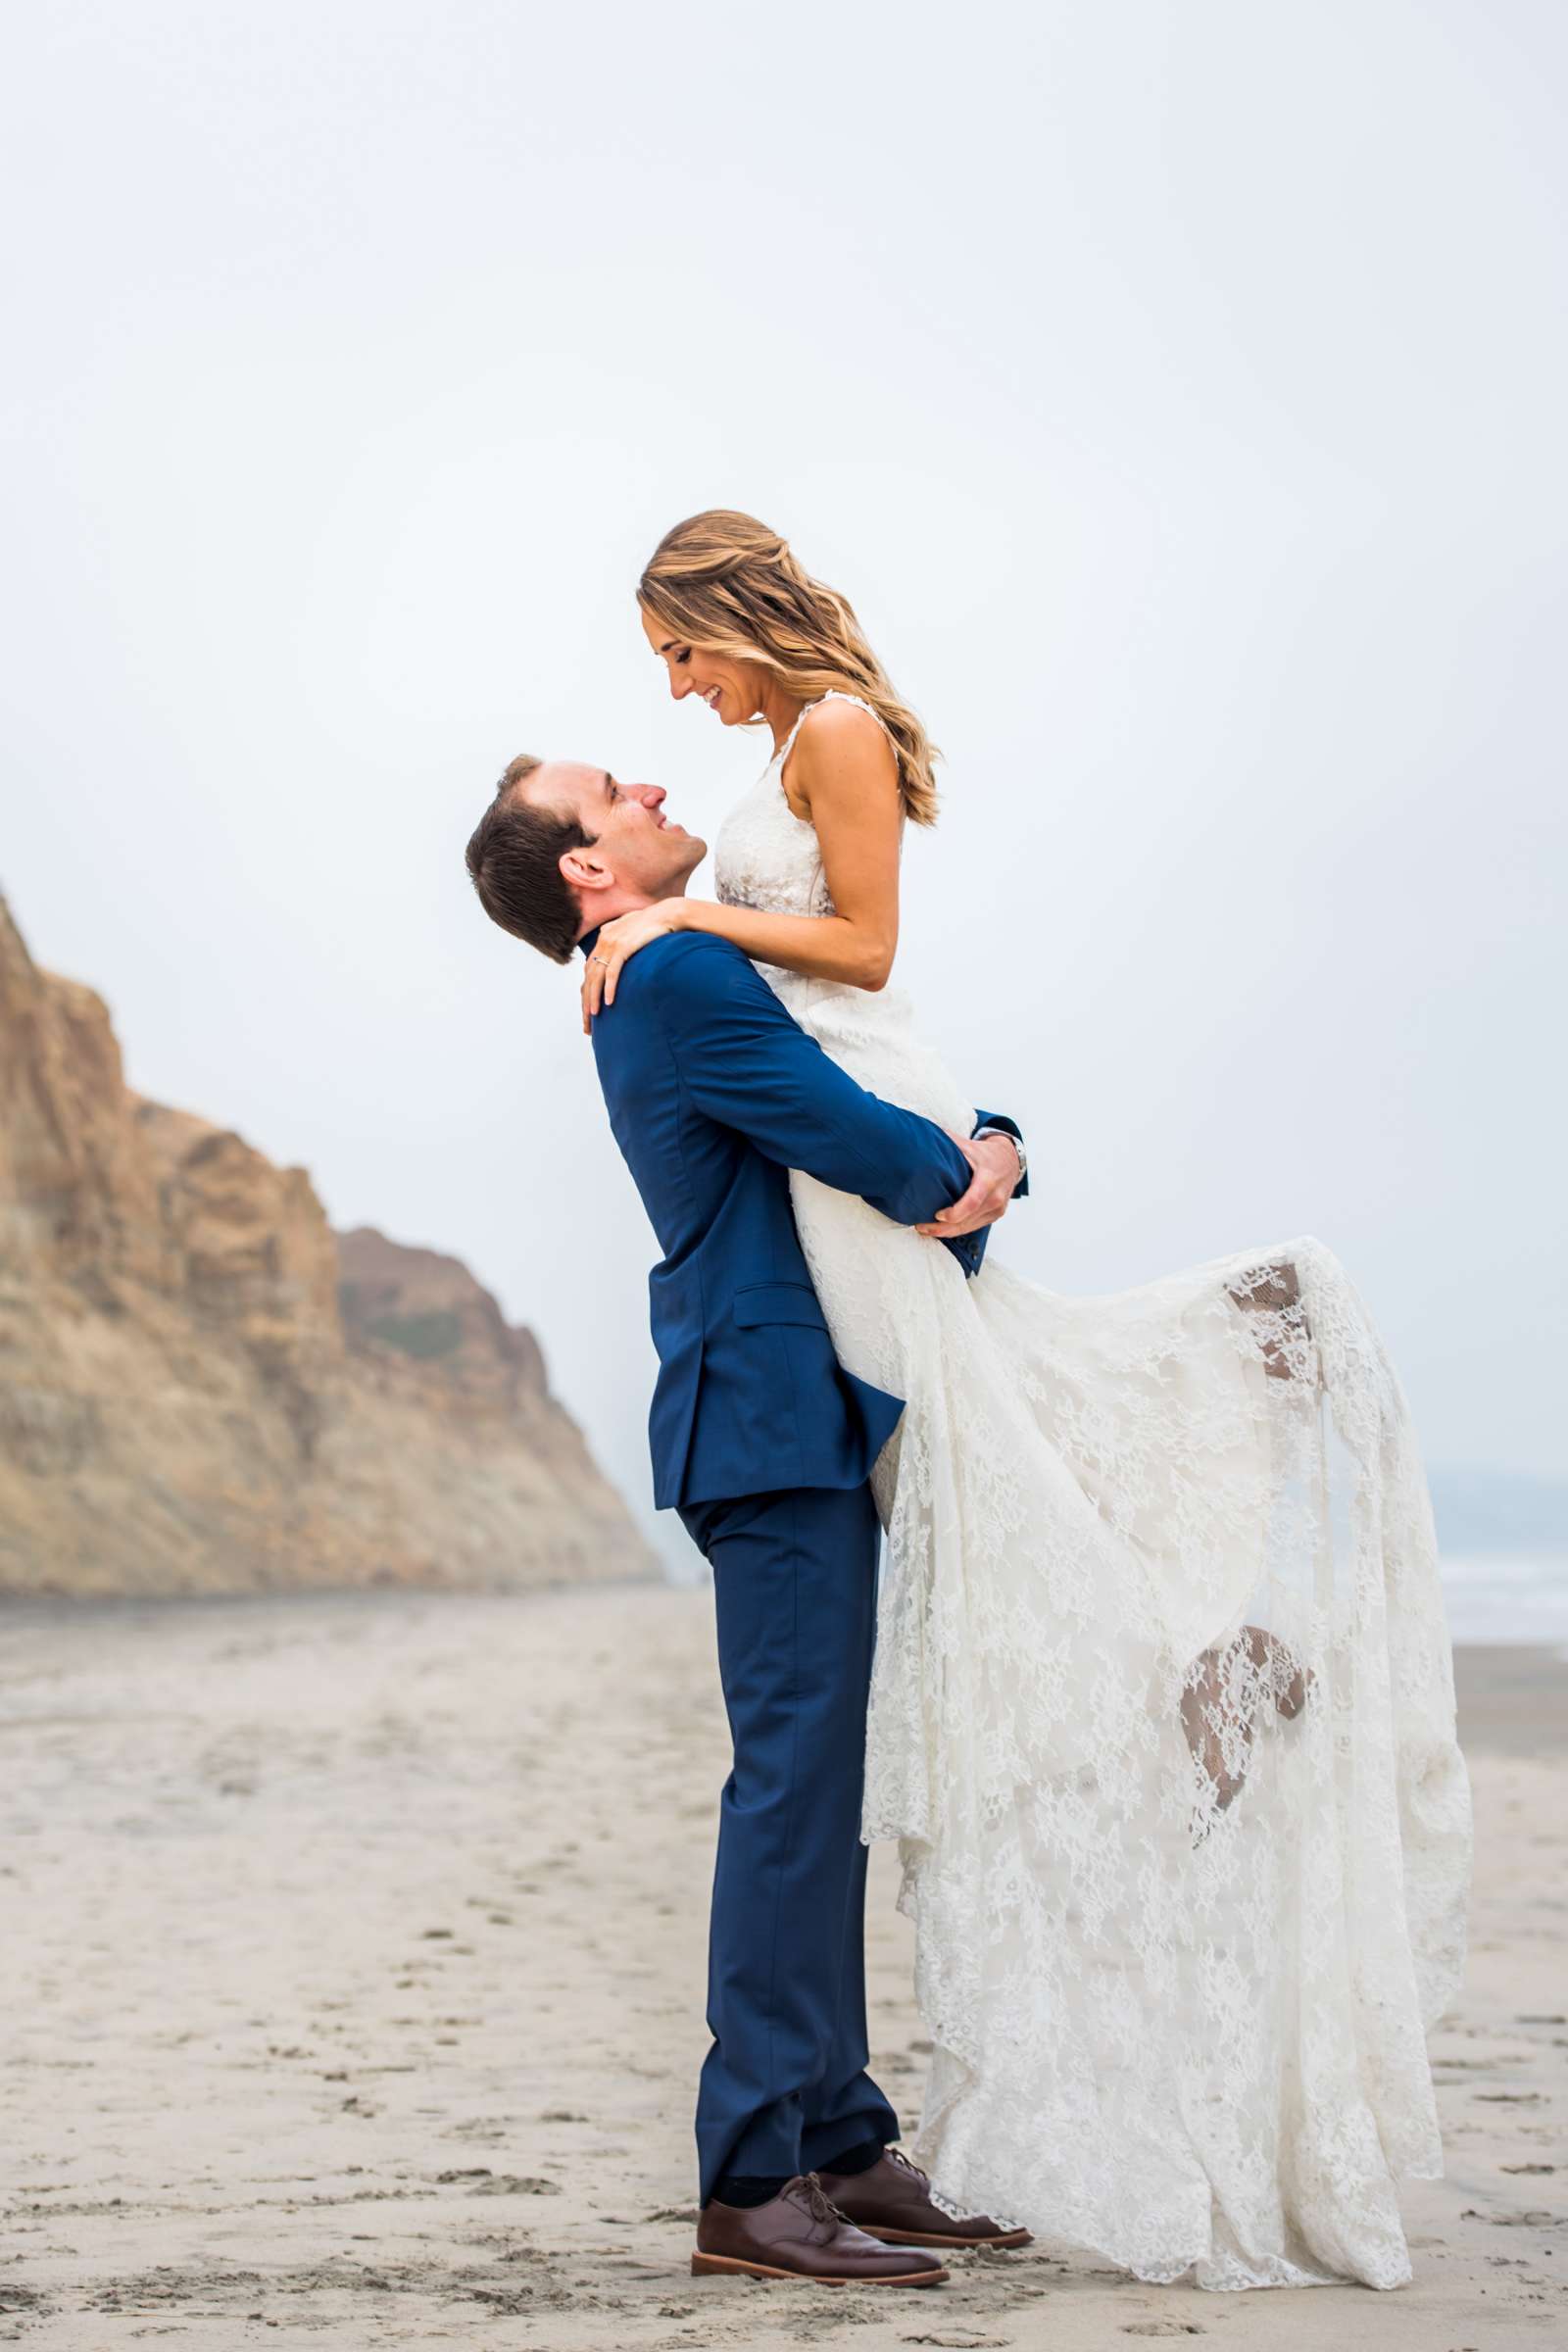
[1162, 1704]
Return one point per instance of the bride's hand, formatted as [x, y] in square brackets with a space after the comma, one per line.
[617, 943]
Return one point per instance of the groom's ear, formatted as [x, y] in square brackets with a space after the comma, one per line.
[584, 871]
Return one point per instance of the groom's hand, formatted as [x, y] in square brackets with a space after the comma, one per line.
[996, 1176]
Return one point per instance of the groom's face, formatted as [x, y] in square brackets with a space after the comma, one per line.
[636, 845]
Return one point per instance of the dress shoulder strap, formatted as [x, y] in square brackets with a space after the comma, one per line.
[788, 744]
[834, 694]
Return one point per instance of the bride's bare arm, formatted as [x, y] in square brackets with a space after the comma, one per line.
[842, 778]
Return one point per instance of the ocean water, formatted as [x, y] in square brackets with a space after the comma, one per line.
[1490, 1596]
[1506, 1596]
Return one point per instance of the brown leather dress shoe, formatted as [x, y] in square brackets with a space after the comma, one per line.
[801, 2234]
[892, 2201]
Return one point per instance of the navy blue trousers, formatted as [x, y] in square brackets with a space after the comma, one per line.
[784, 2087]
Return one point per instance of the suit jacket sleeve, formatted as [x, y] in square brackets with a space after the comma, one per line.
[746, 1064]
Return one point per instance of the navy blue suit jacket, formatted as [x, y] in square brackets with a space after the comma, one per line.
[714, 1094]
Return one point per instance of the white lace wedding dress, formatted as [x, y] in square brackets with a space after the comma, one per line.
[1162, 1713]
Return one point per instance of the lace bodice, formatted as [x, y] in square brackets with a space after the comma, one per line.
[766, 856]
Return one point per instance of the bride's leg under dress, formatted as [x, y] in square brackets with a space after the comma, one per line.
[1162, 1716]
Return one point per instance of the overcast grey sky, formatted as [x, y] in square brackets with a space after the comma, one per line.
[1178, 393]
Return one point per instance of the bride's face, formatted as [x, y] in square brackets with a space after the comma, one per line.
[731, 688]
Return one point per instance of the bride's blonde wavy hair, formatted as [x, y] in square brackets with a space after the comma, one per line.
[726, 583]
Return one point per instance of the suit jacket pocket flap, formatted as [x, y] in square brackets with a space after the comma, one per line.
[778, 1302]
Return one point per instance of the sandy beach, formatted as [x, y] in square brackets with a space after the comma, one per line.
[354, 1956]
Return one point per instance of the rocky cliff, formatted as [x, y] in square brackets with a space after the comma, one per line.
[203, 1388]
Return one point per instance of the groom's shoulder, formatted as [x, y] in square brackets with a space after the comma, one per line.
[685, 969]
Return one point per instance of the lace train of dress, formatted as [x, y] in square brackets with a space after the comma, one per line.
[1161, 1715]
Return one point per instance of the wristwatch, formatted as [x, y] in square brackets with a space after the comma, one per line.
[1024, 1156]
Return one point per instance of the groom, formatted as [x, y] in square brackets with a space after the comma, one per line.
[765, 1444]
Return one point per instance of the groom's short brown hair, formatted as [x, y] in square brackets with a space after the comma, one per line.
[515, 854]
